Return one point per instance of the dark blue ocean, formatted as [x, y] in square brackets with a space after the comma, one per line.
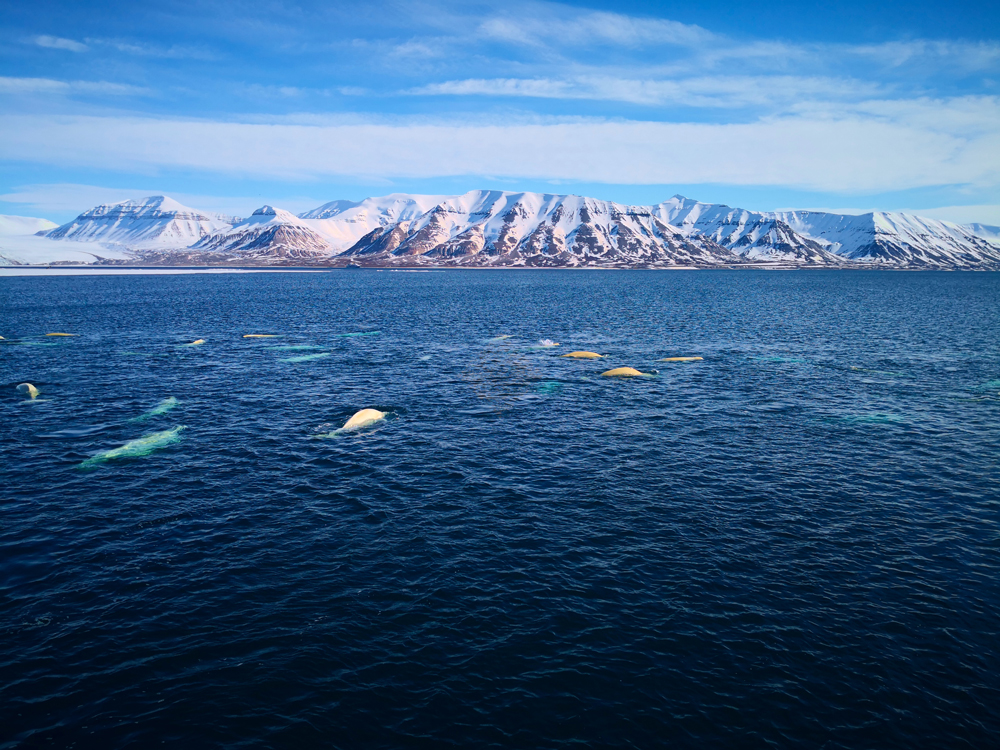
[794, 542]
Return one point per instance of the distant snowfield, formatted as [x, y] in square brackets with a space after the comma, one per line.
[32, 250]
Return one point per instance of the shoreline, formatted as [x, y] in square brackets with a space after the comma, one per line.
[122, 270]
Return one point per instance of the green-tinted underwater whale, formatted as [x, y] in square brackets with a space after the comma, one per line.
[136, 448]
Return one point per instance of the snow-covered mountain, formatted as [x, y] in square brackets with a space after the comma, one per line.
[879, 238]
[156, 222]
[343, 223]
[492, 227]
[498, 228]
[269, 234]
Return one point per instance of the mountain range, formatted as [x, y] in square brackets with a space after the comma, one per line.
[499, 229]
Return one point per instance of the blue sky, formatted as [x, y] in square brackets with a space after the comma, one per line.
[772, 105]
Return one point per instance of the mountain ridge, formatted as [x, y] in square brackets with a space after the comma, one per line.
[498, 228]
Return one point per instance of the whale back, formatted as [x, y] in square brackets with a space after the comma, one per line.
[622, 372]
[362, 418]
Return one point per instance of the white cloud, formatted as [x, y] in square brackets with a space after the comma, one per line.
[852, 152]
[55, 42]
[547, 23]
[50, 86]
[151, 50]
[960, 214]
[706, 91]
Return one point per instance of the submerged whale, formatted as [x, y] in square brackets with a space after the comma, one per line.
[136, 448]
[307, 357]
[161, 408]
[583, 355]
[681, 359]
[624, 372]
[28, 389]
[260, 335]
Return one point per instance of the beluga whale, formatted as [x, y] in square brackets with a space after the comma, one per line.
[582, 355]
[625, 372]
[363, 418]
[136, 448]
[28, 390]
[681, 359]
[162, 408]
[196, 342]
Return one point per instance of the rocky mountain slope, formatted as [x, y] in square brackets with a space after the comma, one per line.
[270, 234]
[498, 228]
[879, 238]
[532, 229]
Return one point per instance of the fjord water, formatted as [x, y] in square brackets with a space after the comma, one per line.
[793, 542]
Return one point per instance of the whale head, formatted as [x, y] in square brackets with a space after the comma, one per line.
[28, 390]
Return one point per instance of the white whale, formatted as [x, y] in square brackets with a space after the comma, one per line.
[161, 408]
[363, 418]
[28, 389]
[135, 448]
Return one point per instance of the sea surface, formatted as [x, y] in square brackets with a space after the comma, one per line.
[793, 542]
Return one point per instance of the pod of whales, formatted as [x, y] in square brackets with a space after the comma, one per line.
[583, 355]
[680, 359]
[623, 372]
[28, 389]
[136, 448]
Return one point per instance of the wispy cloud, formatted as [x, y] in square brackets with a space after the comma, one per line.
[547, 23]
[835, 153]
[143, 49]
[704, 91]
[50, 86]
[55, 42]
